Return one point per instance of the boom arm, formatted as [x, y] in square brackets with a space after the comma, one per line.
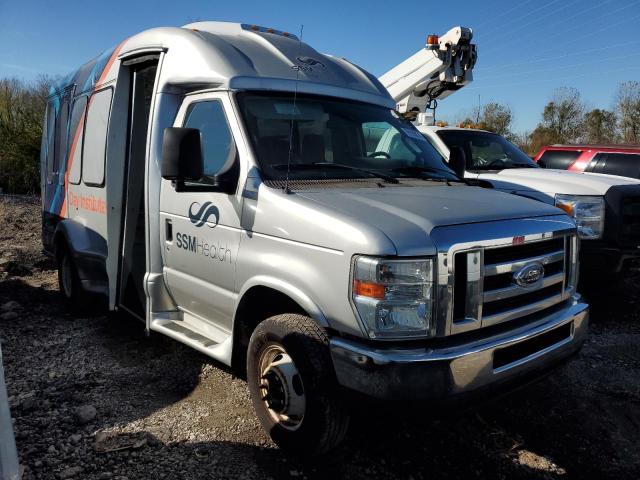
[443, 66]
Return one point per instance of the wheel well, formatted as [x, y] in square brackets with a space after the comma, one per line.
[59, 244]
[257, 304]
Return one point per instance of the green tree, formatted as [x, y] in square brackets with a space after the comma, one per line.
[628, 110]
[542, 136]
[563, 116]
[523, 142]
[599, 126]
[22, 109]
[496, 118]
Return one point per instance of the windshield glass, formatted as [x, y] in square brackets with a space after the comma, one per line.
[486, 151]
[335, 139]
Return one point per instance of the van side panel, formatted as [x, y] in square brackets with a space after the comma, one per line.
[75, 211]
[82, 81]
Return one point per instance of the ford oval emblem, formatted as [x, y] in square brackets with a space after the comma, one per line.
[529, 276]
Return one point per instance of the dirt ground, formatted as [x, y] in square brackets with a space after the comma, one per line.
[94, 398]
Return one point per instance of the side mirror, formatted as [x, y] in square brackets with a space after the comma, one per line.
[182, 154]
[458, 161]
[542, 164]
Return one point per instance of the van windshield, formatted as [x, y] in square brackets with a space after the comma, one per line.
[486, 151]
[329, 138]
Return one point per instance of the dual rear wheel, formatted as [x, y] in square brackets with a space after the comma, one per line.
[69, 281]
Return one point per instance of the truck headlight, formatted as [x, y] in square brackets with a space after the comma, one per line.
[587, 211]
[394, 298]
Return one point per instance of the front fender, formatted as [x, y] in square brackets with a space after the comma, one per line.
[293, 292]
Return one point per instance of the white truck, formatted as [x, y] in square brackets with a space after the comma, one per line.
[221, 183]
[604, 206]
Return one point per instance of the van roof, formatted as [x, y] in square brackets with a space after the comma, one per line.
[236, 56]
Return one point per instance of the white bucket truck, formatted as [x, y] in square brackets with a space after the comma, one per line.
[605, 207]
[221, 183]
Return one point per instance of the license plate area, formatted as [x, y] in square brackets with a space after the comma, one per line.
[508, 357]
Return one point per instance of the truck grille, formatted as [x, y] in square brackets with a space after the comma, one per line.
[630, 221]
[495, 292]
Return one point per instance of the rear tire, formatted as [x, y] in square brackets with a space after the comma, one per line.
[69, 281]
[293, 386]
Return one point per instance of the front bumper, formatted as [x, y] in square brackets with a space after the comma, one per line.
[510, 358]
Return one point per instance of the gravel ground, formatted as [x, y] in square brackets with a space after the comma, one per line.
[94, 398]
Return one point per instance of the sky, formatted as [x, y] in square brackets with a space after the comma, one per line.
[526, 48]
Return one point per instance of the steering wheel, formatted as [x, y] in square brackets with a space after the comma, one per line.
[377, 154]
[497, 161]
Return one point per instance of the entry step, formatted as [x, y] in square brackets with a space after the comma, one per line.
[186, 333]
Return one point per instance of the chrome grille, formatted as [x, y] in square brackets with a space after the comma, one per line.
[478, 260]
[476, 285]
[503, 299]
[486, 293]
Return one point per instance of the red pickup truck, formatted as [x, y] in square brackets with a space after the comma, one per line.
[621, 160]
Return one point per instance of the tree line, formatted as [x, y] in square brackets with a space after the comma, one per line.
[22, 107]
[565, 119]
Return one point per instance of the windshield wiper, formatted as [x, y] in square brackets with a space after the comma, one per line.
[417, 169]
[321, 165]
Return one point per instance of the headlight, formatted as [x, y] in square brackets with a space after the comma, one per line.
[394, 298]
[588, 212]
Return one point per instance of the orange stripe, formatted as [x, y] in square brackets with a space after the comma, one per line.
[76, 137]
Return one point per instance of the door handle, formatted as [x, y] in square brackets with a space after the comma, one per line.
[168, 230]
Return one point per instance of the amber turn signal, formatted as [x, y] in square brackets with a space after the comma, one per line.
[368, 289]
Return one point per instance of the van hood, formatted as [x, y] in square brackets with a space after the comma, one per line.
[407, 215]
[551, 182]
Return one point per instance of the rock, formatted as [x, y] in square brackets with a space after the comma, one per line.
[10, 306]
[9, 316]
[85, 414]
[70, 472]
[75, 438]
[113, 441]
[105, 476]
[52, 449]
[28, 404]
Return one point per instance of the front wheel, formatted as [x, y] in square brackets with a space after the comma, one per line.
[293, 386]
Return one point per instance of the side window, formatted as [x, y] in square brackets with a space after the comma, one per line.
[597, 163]
[559, 159]
[217, 142]
[622, 164]
[75, 140]
[61, 138]
[51, 139]
[95, 138]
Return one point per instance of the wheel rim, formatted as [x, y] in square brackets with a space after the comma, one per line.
[65, 276]
[281, 387]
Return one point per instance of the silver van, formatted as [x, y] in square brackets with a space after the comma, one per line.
[221, 183]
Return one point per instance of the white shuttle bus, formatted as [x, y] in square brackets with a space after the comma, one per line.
[221, 183]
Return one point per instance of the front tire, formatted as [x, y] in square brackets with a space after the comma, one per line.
[293, 386]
